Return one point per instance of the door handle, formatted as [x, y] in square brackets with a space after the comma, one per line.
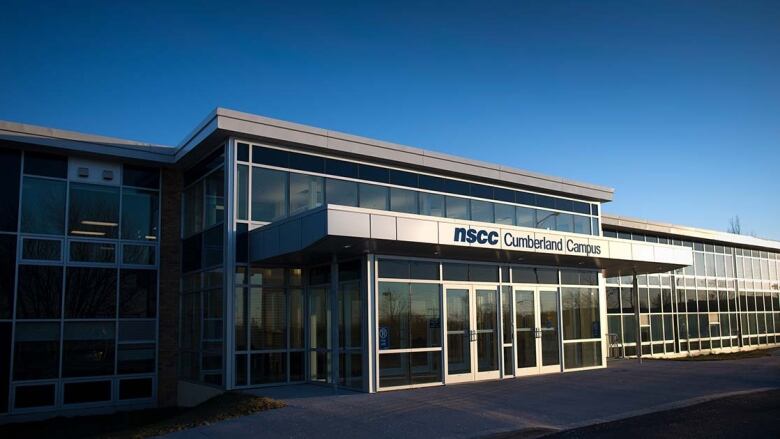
[473, 335]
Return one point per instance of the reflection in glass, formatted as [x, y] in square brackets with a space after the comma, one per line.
[269, 194]
[487, 330]
[548, 316]
[93, 210]
[341, 192]
[373, 196]
[431, 204]
[525, 322]
[43, 206]
[306, 192]
[139, 214]
[458, 331]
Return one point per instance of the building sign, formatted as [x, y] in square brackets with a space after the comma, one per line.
[384, 337]
[513, 240]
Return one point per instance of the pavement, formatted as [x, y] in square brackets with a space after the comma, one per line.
[531, 405]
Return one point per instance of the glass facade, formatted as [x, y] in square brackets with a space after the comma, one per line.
[285, 183]
[78, 282]
[729, 298]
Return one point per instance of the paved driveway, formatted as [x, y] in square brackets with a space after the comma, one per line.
[471, 410]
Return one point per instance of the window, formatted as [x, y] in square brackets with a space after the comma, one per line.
[88, 349]
[306, 192]
[137, 293]
[215, 198]
[41, 249]
[7, 274]
[90, 293]
[403, 200]
[424, 314]
[482, 211]
[269, 194]
[92, 252]
[37, 350]
[140, 210]
[41, 395]
[135, 388]
[79, 393]
[578, 355]
[93, 211]
[526, 216]
[373, 196]
[505, 214]
[267, 318]
[138, 254]
[39, 292]
[43, 206]
[580, 313]
[193, 210]
[341, 192]
[565, 223]
[393, 315]
[140, 176]
[431, 204]
[242, 189]
[457, 208]
[10, 162]
[546, 220]
[581, 224]
[46, 165]
[135, 358]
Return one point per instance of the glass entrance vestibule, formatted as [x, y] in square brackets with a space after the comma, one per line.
[444, 322]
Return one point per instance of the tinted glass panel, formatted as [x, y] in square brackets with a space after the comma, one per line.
[135, 388]
[7, 274]
[455, 271]
[34, 396]
[545, 201]
[483, 273]
[88, 349]
[403, 178]
[141, 177]
[269, 194]
[137, 293]
[41, 249]
[306, 192]
[403, 200]
[140, 210]
[482, 211]
[393, 303]
[46, 165]
[90, 293]
[424, 316]
[39, 292]
[242, 189]
[481, 191]
[526, 216]
[242, 152]
[135, 358]
[341, 192]
[341, 168]
[373, 173]
[432, 183]
[36, 351]
[92, 252]
[272, 157]
[373, 196]
[458, 208]
[93, 211]
[76, 393]
[43, 206]
[457, 187]
[502, 194]
[505, 214]
[138, 254]
[10, 162]
[424, 270]
[431, 204]
[306, 162]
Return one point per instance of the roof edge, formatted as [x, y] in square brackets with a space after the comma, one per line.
[638, 224]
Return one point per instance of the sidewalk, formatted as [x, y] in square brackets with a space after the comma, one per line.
[558, 401]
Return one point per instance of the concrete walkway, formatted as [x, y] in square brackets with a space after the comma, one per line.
[558, 401]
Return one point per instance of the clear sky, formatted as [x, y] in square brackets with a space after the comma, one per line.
[674, 104]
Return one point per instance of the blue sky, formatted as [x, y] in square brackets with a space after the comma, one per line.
[674, 104]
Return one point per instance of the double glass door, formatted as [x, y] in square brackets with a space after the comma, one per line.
[472, 330]
[537, 339]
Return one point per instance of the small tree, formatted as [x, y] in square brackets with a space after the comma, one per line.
[734, 225]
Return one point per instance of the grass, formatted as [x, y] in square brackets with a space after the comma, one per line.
[142, 423]
[757, 353]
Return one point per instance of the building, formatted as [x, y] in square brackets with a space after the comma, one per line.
[261, 252]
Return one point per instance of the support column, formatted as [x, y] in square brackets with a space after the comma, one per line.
[636, 316]
[369, 324]
[334, 321]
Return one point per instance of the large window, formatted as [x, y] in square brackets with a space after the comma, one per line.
[410, 333]
[39, 293]
[88, 349]
[306, 192]
[10, 163]
[93, 211]
[90, 293]
[269, 194]
[581, 321]
[43, 206]
[140, 210]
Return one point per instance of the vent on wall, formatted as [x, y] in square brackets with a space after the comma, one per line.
[108, 175]
[83, 172]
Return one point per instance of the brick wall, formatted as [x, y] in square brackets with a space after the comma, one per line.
[170, 273]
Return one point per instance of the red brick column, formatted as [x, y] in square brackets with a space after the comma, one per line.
[170, 273]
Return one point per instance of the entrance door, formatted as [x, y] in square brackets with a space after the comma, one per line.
[472, 332]
[536, 335]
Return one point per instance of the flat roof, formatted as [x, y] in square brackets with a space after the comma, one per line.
[643, 225]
